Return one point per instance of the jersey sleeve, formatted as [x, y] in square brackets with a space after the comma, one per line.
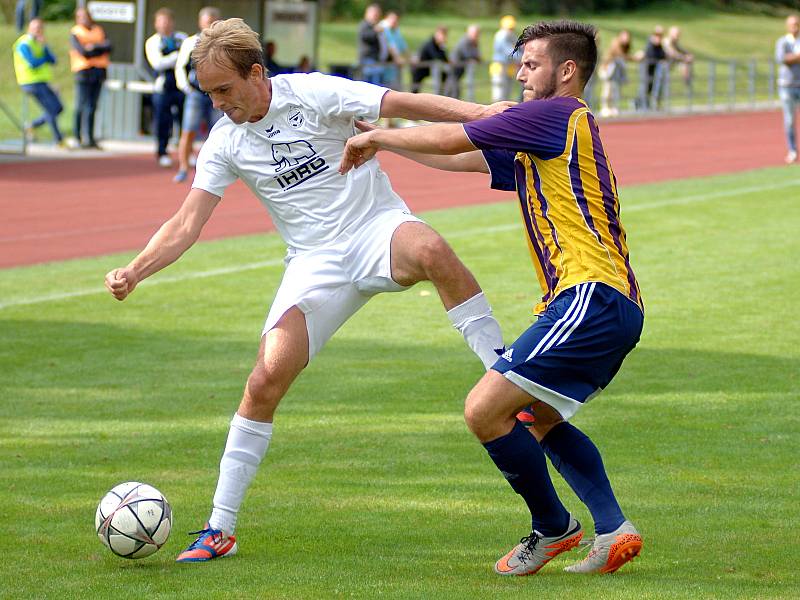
[501, 168]
[536, 126]
[344, 98]
[214, 171]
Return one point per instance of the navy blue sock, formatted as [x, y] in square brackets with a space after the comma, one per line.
[578, 460]
[521, 460]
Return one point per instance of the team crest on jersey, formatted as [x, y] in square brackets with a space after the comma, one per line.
[296, 162]
[295, 117]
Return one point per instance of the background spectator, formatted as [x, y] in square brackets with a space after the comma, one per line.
[787, 55]
[89, 57]
[272, 65]
[676, 54]
[304, 65]
[397, 50]
[504, 66]
[467, 50]
[197, 108]
[372, 49]
[32, 60]
[613, 72]
[652, 71]
[433, 50]
[161, 51]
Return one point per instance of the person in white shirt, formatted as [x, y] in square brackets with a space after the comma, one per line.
[197, 108]
[349, 237]
[787, 56]
[161, 51]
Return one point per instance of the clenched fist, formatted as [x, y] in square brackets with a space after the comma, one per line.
[121, 282]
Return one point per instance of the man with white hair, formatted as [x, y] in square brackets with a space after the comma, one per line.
[677, 54]
[466, 51]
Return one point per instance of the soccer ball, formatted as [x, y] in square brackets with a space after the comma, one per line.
[133, 519]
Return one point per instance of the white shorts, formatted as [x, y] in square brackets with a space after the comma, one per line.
[330, 284]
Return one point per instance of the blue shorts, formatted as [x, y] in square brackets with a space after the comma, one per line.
[575, 347]
[197, 109]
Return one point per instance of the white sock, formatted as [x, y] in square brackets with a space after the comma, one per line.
[246, 446]
[474, 320]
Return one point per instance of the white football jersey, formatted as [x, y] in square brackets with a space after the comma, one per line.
[290, 159]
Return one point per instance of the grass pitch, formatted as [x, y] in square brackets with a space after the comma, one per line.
[373, 487]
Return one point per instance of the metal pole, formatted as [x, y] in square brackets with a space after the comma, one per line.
[751, 82]
[138, 40]
[436, 75]
[712, 83]
[732, 84]
[771, 66]
[470, 75]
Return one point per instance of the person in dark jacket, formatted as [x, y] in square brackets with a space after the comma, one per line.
[431, 51]
[652, 70]
[372, 49]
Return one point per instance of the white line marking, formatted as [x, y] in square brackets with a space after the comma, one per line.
[456, 234]
[146, 283]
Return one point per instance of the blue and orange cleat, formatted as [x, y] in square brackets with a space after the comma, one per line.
[210, 544]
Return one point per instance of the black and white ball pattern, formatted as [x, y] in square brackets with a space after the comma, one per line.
[133, 519]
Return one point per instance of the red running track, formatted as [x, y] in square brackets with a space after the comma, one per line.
[61, 209]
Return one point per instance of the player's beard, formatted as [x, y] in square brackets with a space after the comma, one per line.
[549, 90]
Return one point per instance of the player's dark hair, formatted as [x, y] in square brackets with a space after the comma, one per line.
[566, 40]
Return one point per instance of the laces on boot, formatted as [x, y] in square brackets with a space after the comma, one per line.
[529, 542]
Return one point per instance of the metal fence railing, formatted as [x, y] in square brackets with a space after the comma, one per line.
[706, 85]
[649, 89]
[13, 138]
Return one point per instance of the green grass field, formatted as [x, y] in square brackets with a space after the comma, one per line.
[373, 486]
[708, 33]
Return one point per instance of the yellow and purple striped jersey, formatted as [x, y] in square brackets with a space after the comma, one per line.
[550, 152]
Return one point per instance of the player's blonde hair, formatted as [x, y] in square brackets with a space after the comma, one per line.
[229, 43]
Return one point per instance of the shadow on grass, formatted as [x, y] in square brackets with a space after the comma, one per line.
[678, 370]
[74, 355]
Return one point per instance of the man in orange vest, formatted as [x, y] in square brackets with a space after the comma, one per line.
[89, 58]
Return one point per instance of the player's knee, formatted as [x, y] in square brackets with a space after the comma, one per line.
[434, 255]
[264, 387]
[476, 414]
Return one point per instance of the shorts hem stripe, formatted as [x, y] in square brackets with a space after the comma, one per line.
[565, 406]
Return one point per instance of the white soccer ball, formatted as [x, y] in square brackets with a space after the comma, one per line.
[133, 519]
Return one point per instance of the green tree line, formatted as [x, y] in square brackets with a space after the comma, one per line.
[55, 10]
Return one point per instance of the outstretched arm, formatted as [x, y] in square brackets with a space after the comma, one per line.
[444, 138]
[174, 238]
[438, 109]
[465, 162]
